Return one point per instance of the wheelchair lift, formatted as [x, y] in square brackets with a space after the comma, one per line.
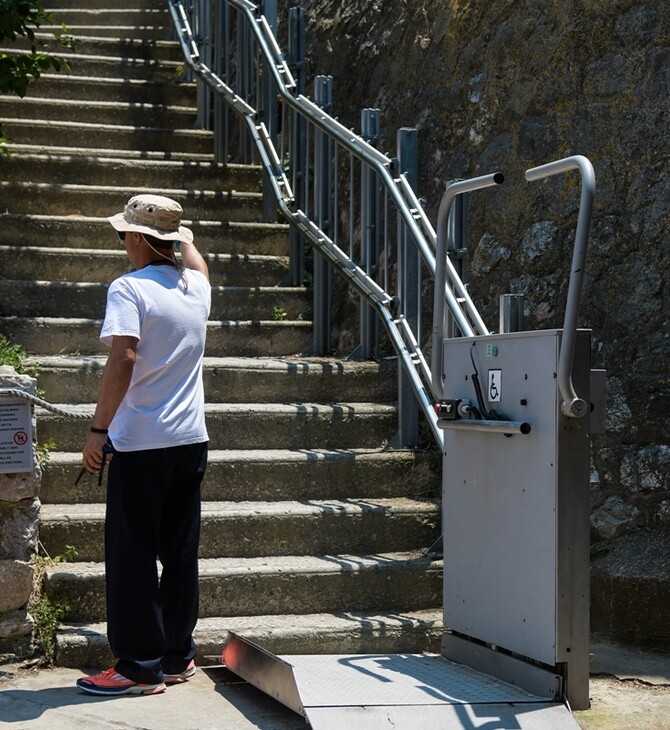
[517, 410]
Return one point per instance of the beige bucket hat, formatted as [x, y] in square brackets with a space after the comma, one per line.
[153, 214]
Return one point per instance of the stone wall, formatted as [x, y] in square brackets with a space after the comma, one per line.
[510, 84]
[19, 512]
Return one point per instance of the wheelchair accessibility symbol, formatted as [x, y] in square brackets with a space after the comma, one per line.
[495, 386]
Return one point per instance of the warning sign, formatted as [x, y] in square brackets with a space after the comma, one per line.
[16, 439]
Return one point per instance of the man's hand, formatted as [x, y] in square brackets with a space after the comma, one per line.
[92, 454]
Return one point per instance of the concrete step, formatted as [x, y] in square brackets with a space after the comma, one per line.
[97, 88]
[348, 632]
[44, 132]
[150, 23]
[226, 237]
[91, 265]
[45, 198]
[259, 426]
[17, 151]
[93, 25]
[238, 380]
[276, 585]
[136, 46]
[244, 338]
[139, 114]
[56, 298]
[145, 20]
[260, 529]
[277, 474]
[115, 65]
[56, 7]
[90, 167]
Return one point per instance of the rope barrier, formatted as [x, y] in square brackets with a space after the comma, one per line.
[18, 393]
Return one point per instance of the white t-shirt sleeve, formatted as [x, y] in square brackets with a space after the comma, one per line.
[122, 314]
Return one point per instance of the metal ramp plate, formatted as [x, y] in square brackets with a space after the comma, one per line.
[445, 717]
[399, 691]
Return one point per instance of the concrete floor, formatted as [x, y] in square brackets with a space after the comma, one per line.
[630, 690]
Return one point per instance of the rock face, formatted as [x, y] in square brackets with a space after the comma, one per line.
[503, 85]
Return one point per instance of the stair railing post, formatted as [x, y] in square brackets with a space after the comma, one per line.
[298, 139]
[188, 74]
[202, 31]
[244, 82]
[370, 233]
[409, 289]
[323, 215]
[269, 209]
[221, 68]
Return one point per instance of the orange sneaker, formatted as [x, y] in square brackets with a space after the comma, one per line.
[182, 677]
[111, 683]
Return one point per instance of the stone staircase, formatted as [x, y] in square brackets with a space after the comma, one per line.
[313, 533]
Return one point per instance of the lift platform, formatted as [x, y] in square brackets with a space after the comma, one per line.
[517, 410]
[381, 691]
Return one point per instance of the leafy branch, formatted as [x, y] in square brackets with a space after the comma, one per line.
[19, 19]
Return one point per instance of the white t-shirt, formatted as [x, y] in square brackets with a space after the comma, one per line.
[164, 405]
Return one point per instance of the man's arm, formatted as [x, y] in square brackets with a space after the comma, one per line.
[192, 259]
[113, 387]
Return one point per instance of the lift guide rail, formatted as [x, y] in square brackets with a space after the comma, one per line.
[517, 410]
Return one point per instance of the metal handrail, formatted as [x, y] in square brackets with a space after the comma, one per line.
[409, 208]
[457, 188]
[572, 405]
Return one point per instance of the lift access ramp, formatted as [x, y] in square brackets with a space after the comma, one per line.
[517, 410]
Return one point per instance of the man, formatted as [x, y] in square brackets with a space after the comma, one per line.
[149, 423]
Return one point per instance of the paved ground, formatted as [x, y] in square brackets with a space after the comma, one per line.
[629, 688]
[630, 691]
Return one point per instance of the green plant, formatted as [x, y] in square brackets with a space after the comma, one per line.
[12, 355]
[46, 614]
[15, 356]
[43, 452]
[18, 21]
[279, 313]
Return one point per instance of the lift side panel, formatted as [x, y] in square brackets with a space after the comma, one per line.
[513, 506]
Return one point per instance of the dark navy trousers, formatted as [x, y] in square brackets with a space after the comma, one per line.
[153, 512]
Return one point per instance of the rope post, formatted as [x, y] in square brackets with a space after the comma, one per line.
[20, 477]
